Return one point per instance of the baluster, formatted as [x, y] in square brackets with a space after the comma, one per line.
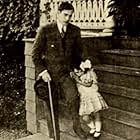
[82, 11]
[101, 10]
[95, 9]
[89, 14]
[84, 7]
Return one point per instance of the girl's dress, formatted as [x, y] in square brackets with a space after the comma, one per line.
[91, 100]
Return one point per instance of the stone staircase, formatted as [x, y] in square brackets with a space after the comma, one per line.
[119, 84]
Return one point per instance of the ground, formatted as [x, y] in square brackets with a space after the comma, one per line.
[9, 134]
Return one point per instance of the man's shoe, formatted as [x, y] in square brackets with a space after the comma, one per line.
[80, 132]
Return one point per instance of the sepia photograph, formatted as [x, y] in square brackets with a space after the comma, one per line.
[69, 69]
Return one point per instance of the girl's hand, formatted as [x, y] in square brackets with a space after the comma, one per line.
[88, 84]
[74, 76]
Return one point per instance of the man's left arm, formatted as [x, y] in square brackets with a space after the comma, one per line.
[77, 52]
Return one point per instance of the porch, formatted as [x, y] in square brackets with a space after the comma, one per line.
[121, 121]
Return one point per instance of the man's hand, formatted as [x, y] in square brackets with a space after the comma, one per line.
[45, 76]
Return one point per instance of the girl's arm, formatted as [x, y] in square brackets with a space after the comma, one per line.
[77, 79]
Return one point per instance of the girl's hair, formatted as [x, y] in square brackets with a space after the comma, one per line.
[65, 6]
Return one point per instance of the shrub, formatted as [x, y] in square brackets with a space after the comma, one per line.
[12, 88]
[126, 16]
[19, 18]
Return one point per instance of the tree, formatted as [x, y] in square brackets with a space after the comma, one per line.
[126, 16]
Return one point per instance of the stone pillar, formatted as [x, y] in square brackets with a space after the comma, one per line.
[35, 107]
[29, 86]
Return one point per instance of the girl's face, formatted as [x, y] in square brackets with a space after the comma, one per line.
[78, 72]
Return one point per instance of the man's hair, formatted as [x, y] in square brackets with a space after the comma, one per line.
[65, 6]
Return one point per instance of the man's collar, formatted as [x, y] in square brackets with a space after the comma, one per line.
[60, 25]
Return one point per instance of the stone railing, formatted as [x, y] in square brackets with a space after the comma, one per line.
[88, 15]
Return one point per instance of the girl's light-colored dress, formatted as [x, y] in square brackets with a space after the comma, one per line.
[91, 100]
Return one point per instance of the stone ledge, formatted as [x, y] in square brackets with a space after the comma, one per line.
[86, 34]
[122, 52]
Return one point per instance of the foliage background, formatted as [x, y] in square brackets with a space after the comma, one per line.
[19, 19]
[126, 14]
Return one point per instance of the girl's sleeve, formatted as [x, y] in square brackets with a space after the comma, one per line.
[94, 76]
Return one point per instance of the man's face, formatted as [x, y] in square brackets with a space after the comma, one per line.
[64, 16]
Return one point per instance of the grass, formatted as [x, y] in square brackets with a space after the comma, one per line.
[13, 134]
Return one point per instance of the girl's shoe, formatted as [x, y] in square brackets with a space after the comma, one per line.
[92, 131]
[97, 134]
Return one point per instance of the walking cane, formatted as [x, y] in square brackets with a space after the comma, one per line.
[52, 111]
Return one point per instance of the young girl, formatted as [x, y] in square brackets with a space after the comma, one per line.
[91, 102]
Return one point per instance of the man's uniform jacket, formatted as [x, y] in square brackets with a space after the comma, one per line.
[56, 54]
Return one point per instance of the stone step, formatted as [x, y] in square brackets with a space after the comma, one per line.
[118, 75]
[121, 130]
[65, 134]
[121, 97]
[124, 117]
[122, 103]
[121, 123]
[121, 57]
[126, 122]
[37, 136]
[104, 136]
[120, 91]
[129, 113]
[126, 43]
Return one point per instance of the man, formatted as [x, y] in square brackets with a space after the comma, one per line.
[56, 51]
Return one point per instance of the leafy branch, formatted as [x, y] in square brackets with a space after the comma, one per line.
[19, 18]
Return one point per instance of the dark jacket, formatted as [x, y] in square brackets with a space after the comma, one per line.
[52, 52]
